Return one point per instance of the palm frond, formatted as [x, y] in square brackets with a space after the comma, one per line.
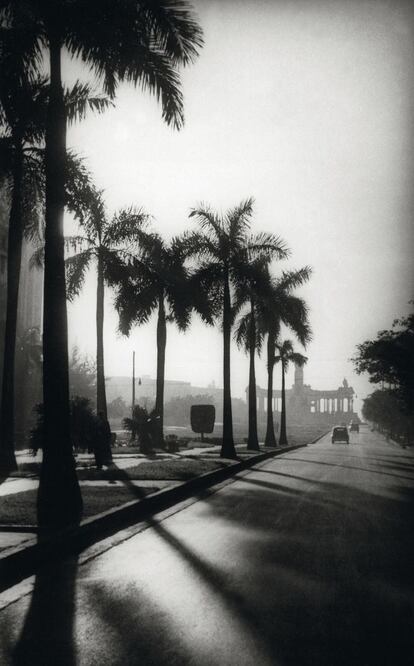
[208, 220]
[175, 29]
[238, 221]
[208, 280]
[82, 198]
[79, 99]
[298, 359]
[180, 307]
[199, 245]
[116, 270]
[293, 312]
[76, 243]
[294, 278]
[37, 258]
[130, 56]
[76, 267]
[128, 225]
[134, 304]
[266, 246]
[242, 332]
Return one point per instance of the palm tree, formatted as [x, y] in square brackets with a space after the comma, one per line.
[223, 247]
[121, 41]
[23, 111]
[249, 335]
[285, 356]
[279, 306]
[158, 282]
[110, 244]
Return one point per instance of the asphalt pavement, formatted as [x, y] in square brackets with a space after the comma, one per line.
[306, 559]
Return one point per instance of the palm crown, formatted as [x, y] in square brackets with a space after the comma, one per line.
[120, 40]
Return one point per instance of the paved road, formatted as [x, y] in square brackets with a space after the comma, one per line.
[306, 560]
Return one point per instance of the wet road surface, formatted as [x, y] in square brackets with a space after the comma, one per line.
[304, 560]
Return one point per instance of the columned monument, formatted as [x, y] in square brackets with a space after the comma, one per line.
[307, 405]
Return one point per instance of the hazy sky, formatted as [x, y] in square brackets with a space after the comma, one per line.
[307, 107]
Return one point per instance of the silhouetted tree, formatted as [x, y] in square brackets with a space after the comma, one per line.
[255, 282]
[109, 243]
[158, 282]
[223, 247]
[82, 375]
[23, 112]
[285, 356]
[389, 360]
[279, 306]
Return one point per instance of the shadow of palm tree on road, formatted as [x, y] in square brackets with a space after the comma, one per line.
[47, 635]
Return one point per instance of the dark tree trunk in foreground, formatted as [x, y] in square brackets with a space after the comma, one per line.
[283, 436]
[252, 439]
[100, 364]
[270, 439]
[59, 501]
[14, 257]
[159, 400]
[227, 450]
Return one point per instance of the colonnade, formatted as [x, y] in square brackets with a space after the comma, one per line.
[330, 405]
[318, 405]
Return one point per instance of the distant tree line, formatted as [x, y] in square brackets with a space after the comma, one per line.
[389, 362]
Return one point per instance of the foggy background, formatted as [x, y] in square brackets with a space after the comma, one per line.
[307, 107]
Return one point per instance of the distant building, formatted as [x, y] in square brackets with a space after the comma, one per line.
[305, 405]
[145, 387]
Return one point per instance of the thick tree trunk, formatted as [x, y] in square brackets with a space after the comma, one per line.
[59, 501]
[227, 449]
[14, 257]
[252, 439]
[100, 363]
[283, 441]
[159, 400]
[270, 439]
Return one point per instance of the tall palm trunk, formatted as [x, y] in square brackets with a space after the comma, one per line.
[100, 367]
[283, 436]
[270, 439]
[161, 344]
[227, 450]
[59, 501]
[252, 439]
[14, 257]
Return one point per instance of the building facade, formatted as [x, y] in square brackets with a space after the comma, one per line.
[306, 405]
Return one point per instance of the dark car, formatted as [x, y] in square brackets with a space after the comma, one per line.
[354, 427]
[340, 434]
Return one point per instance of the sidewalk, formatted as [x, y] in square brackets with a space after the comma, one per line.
[22, 552]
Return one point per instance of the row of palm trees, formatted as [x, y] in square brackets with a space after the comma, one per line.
[218, 272]
[144, 43]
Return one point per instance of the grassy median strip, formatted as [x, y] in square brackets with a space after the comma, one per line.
[181, 470]
[20, 508]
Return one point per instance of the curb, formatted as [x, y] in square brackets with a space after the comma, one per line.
[20, 562]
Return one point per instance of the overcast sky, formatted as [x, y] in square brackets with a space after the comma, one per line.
[307, 107]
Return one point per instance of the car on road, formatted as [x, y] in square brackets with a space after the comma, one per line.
[353, 427]
[340, 434]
